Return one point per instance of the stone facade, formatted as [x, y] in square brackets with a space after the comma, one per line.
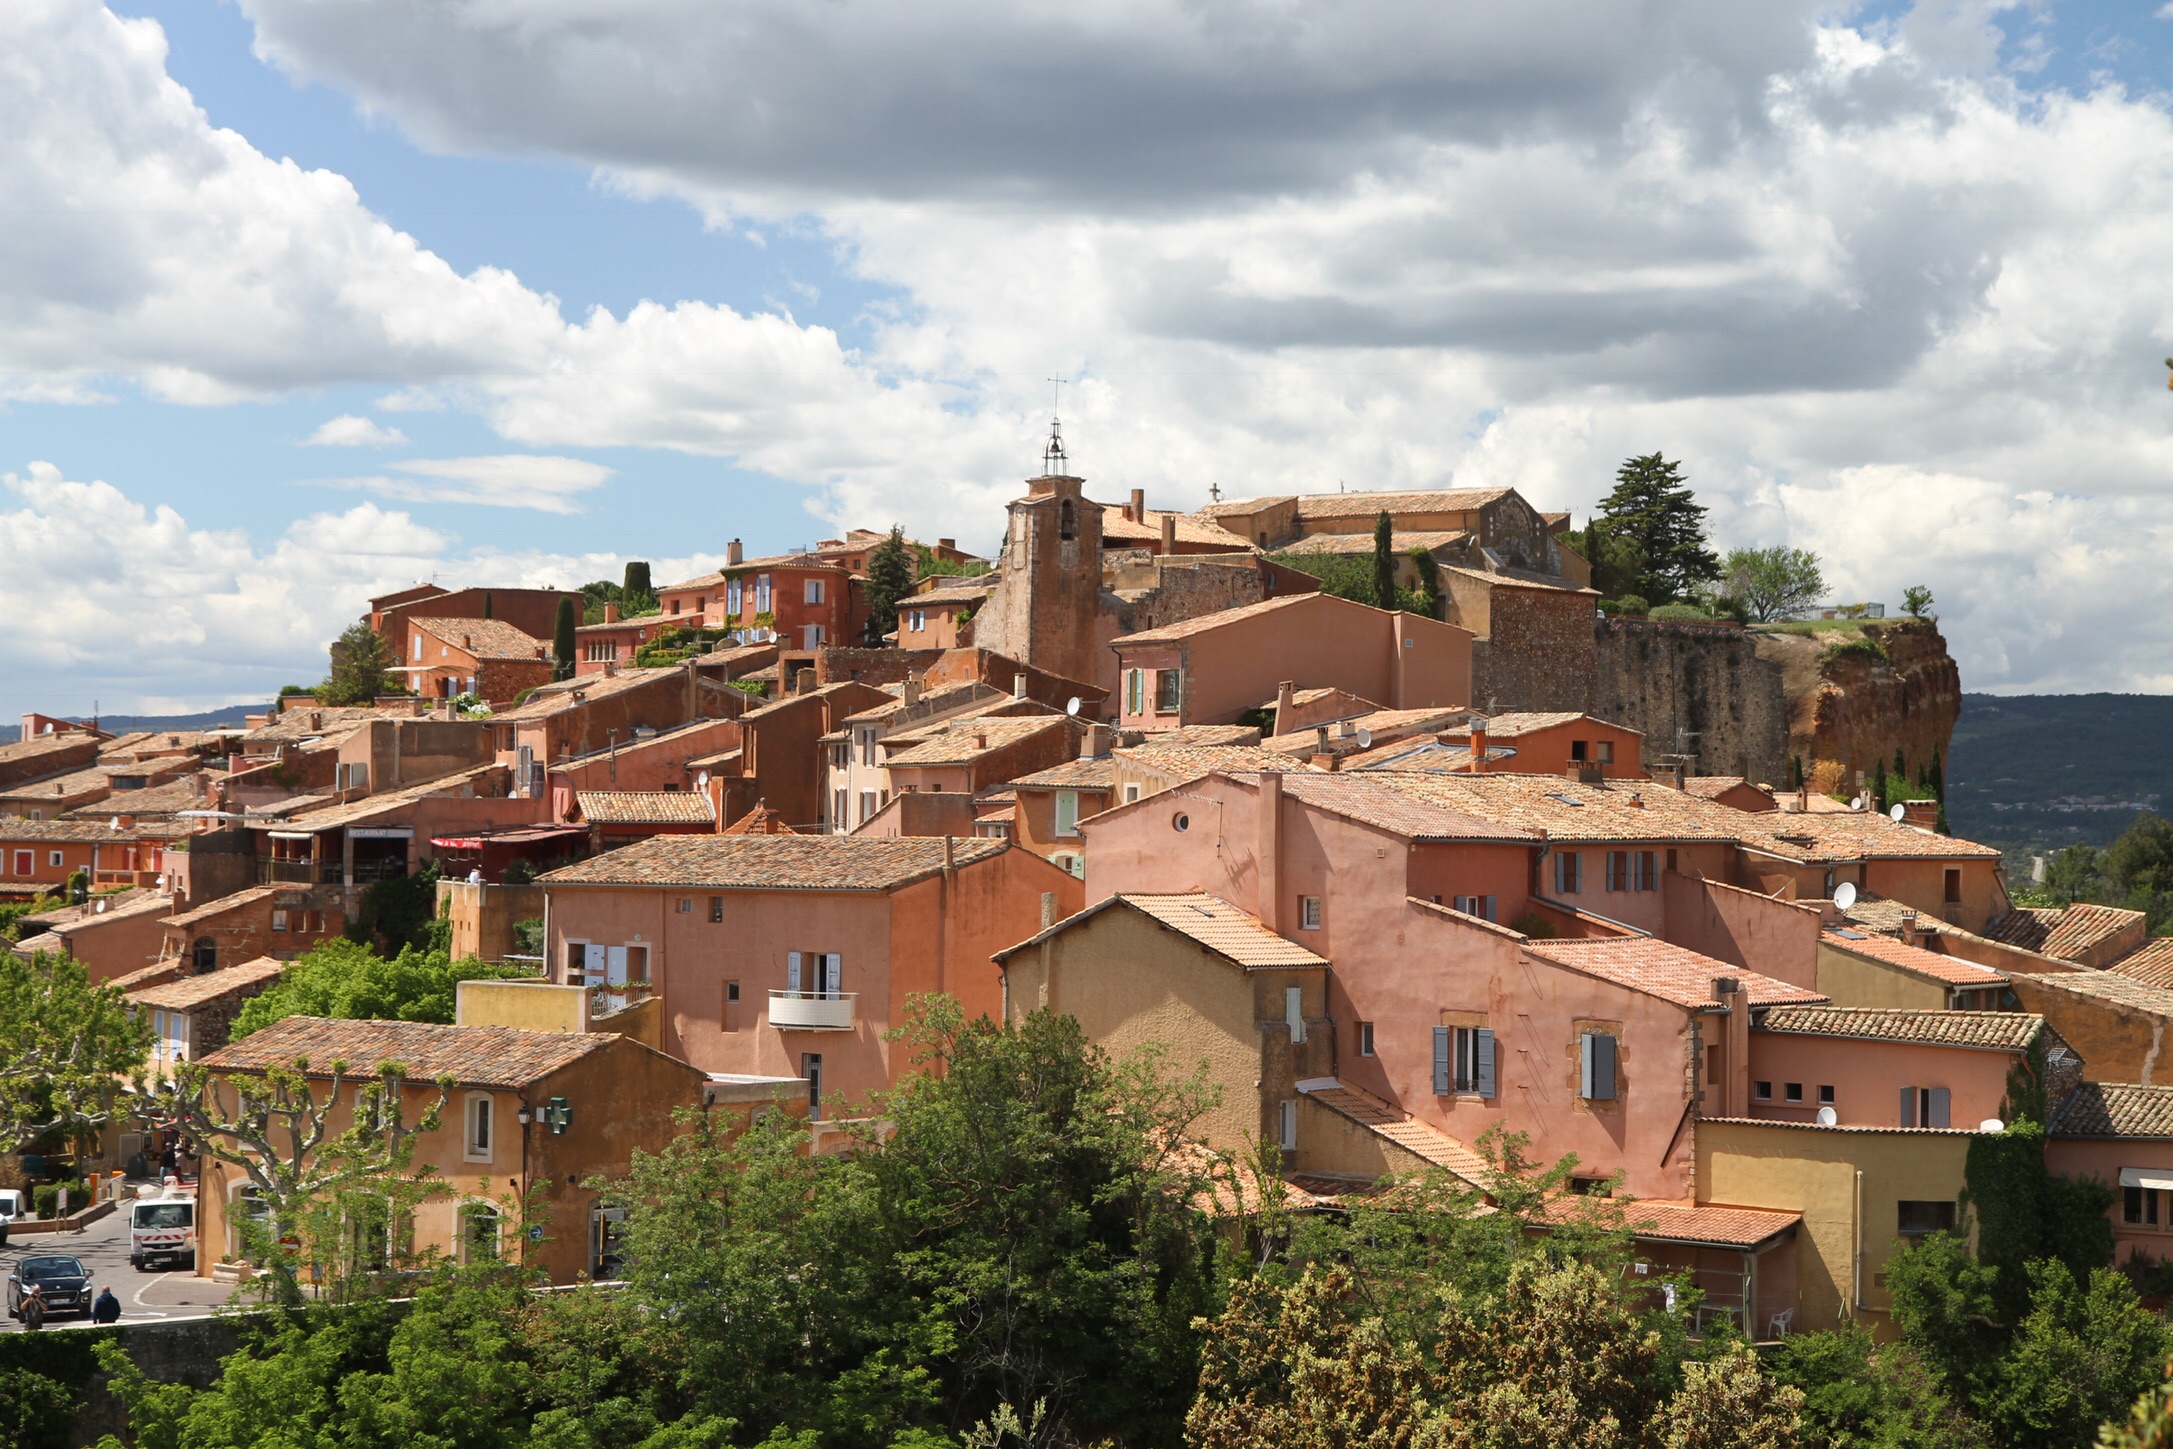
[1696, 689]
[1160, 590]
[1046, 608]
[1538, 652]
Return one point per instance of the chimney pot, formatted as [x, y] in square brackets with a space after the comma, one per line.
[1048, 909]
[1725, 987]
[1169, 534]
[611, 613]
[732, 553]
[1136, 510]
[1018, 686]
[1478, 746]
[912, 690]
[948, 544]
[804, 681]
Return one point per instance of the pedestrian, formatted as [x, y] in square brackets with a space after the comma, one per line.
[33, 1309]
[107, 1309]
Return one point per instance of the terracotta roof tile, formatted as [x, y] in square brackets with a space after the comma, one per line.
[190, 992]
[962, 741]
[1192, 761]
[1084, 773]
[645, 807]
[1670, 972]
[1205, 623]
[1206, 736]
[1374, 800]
[1366, 505]
[1223, 929]
[2111, 1109]
[2151, 964]
[773, 862]
[1676, 1222]
[2066, 933]
[1510, 724]
[473, 1056]
[58, 832]
[239, 900]
[1403, 541]
[484, 638]
[555, 698]
[2109, 986]
[476, 782]
[1940, 967]
[1712, 787]
[2006, 1031]
[1570, 811]
[1190, 529]
[1419, 1138]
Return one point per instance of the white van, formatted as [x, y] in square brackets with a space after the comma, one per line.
[162, 1229]
[12, 1205]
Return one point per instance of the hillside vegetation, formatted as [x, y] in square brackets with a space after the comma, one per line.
[2033, 773]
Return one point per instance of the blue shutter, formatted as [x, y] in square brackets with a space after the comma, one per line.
[1908, 1106]
[1486, 1063]
[1598, 1054]
[792, 971]
[1441, 1061]
[1938, 1107]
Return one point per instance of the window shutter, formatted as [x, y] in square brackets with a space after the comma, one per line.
[1936, 1106]
[833, 974]
[792, 971]
[1599, 1066]
[1486, 1062]
[1908, 1107]
[1294, 1012]
[1441, 1061]
[1584, 1055]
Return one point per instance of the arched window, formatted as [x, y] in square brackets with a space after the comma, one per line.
[1067, 520]
[479, 1232]
[205, 955]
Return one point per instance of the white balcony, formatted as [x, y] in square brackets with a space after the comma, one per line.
[811, 1011]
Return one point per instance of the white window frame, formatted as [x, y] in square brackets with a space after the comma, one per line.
[1308, 913]
[1067, 812]
[1132, 792]
[1294, 1013]
[54, 859]
[916, 620]
[762, 593]
[478, 1107]
[1287, 1135]
[812, 593]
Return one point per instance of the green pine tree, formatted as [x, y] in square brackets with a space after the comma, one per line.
[1938, 782]
[1901, 771]
[637, 580]
[562, 639]
[1653, 510]
[890, 580]
[361, 668]
[1384, 561]
[1878, 786]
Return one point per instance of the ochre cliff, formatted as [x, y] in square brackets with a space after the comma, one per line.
[1849, 708]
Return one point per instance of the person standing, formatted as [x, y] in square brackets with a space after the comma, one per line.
[33, 1309]
[107, 1309]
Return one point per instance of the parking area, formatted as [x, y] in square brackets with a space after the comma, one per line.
[168, 1293]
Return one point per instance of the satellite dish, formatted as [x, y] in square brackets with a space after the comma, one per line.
[1071, 706]
[1991, 1124]
[1844, 895]
[1365, 738]
[114, 823]
[1856, 802]
[1897, 812]
[1828, 1117]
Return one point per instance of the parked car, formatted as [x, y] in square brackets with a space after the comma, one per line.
[14, 1205]
[64, 1279]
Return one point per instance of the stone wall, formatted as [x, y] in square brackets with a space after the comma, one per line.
[1540, 654]
[834, 664]
[1170, 590]
[1703, 680]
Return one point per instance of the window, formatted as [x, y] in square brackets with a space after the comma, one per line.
[818, 973]
[1169, 687]
[840, 809]
[25, 862]
[475, 1145]
[1365, 1038]
[868, 807]
[1925, 1106]
[1463, 1061]
[762, 593]
[916, 620]
[686, 905]
[811, 1068]
[279, 921]
[1288, 1138]
[675, 606]
[1294, 1013]
[1480, 906]
[731, 993]
[1825, 1096]
[1712, 1065]
[1135, 691]
[158, 1026]
[1922, 1219]
[52, 858]
[1764, 1091]
[734, 597]
[810, 635]
[1577, 750]
[1632, 870]
[814, 591]
[1596, 1060]
[1604, 751]
[479, 1232]
[1180, 822]
[1067, 812]
[1131, 792]
[2139, 1206]
[204, 955]
[1308, 913]
[1568, 872]
[716, 910]
[1793, 1092]
[1952, 896]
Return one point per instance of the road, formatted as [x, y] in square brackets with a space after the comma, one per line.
[167, 1293]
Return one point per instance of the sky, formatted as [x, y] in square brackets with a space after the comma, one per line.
[301, 300]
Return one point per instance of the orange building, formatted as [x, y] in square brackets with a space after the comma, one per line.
[488, 658]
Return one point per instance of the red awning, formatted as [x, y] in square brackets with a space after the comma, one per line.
[518, 835]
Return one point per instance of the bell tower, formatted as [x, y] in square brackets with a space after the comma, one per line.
[1048, 597]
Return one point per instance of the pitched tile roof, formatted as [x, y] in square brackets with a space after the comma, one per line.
[164, 799]
[239, 900]
[1085, 773]
[484, 638]
[1402, 541]
[2151, 963]
[1213, 736]
[70, 787]
[1348, 505]
[190, 992]
[1888, 917]
[1571, 811]
[761, 820]
[473, 1056]
[2066, 933]
[1190, 528]
[1937, 965]
[773, 862]
[1849, 835]
[2113, 1109]
[1223, 929]
[1675, 1222]
[472, 783]
[1372, 800]
[1191, 761]
[126, 904]
[962, 741]
[932, 705]
[1510, 724]
[559, 696]
[645, 807]
[1204, 623]
[1712, 787]
[59, 832]
[1670, 972]
[2005, 1031]
[1421, 1139]
[2108, 986]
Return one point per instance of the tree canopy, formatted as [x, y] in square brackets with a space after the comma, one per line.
[65, 1045]
[1772, 583]
[562, 640]
[1649, 534]
[890, 579]
[361, 668]
[343, 979]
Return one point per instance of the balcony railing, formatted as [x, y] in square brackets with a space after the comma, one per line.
[812, 1010]
[271, 871]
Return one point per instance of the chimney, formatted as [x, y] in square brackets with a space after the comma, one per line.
[1096, 744]
[611, 669]
[980, 739]
[1283, 723]
[1324, 762]
[1137, 509]
[611, 613]
[912, 693]
[467, 641]
[949, 545]
[950, 858]
[1169, 534]
[1268, 850]
[1048, 909]
[1735, 1048]
[1911, 934]
[732, 553]
[803, 681]
[419, 707]
[1018, 685]
[1478, 745]
[1635, 802]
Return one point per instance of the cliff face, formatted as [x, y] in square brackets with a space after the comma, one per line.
[1848, 709]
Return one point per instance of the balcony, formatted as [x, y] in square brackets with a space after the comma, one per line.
[811, 1010]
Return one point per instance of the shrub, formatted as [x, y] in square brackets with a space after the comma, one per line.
[1682, 614]
[1631, 606]
[1867, 649]
[45, 1198]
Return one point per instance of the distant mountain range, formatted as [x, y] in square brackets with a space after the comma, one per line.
[125, 723]
[2034, 772]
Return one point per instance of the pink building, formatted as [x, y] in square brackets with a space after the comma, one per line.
[793, 955]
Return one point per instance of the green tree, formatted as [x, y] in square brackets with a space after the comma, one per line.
[487, 606]
[2080, 1356]
[1858, 1395]
[637, 593]
[1917, 600]
[361, 668]
[349, 981]
[65, 1046]
[1772, 583]
[1384, 562]
[1429, 579]
[1653, 509]
[890, 580]
[562, 640]
[1878, 784]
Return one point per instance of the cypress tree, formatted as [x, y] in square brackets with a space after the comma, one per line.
[637, 581]
[1878, 787]
[1938, 783]
[562, 639]
[487, 606]
[1901, 772]
[1384, 561]
[890, 579]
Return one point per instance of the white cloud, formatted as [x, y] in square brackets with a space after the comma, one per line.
[137, 609]
[350, 431]
[507, 480]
